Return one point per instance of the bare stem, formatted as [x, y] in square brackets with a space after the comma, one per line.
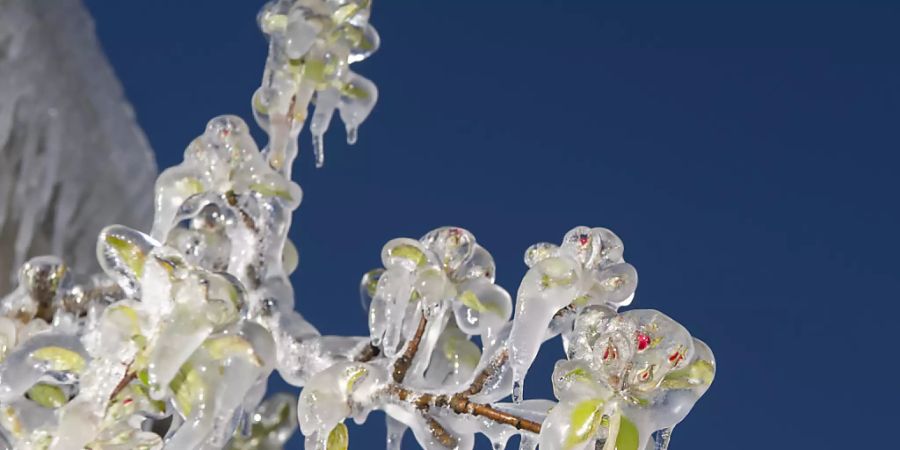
[124, 382]
[460, 403]
[405, 360]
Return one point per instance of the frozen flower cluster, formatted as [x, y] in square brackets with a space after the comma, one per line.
[311, 46]
[627, 376]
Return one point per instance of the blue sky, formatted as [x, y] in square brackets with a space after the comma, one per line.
[746, 154]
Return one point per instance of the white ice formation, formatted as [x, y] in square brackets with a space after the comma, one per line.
[72, 159]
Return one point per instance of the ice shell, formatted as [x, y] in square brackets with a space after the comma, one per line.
[615, 285]
[122, 253]
[481, 306]
[580, 243]
[547, 287]
[479, 265]
[404, 253]
[611, 247]
[540, 251]
[452, 245]
[332, 394]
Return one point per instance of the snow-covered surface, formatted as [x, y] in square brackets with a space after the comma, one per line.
[72, 158]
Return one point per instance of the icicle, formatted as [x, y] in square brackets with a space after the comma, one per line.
[326, 102]
[395, 432]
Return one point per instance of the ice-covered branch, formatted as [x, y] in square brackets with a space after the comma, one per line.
[171, 345]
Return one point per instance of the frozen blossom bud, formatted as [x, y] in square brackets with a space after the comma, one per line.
[628, 376]
[311, 47]
[336, 393]
[453, 246]
[444, 271]
[611, 247]
[405, 254]
[539, 252]
[122, 253]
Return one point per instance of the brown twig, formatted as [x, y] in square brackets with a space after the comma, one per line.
[128, 378]
[231, 198]
[565, 310]
[368, 353]
[401, 366]
[440, 433]
[460, 404]
[489, 372]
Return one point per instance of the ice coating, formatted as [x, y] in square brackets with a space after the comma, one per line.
[311, 46]
[627, 377]
[178, 329]
[171, 345]
[587, 269]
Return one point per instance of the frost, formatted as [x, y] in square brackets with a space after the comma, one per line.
[170, 344]
[60, 103]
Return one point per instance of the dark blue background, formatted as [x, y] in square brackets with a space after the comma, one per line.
[747, 155]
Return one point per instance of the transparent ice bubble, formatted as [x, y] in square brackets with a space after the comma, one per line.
[122, 253]
[539, 252]
[453, 246]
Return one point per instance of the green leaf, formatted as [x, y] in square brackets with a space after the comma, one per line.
[130, 253]
[628, 437]
[370, 281]
[274, 23]
[126, 315]
[355, 375]
[316, 70]
[338, 438]
[188, 388]
[354, 91]
[461, 350]
[410, 252]
[584, 421]
[60, 359]
[698, 373]
[578, 374]
[348, 10]
[144, 390]
[270, 191]
[230, 346]
[190, 186]
[556, 273]
[47, 395]
[471, 300]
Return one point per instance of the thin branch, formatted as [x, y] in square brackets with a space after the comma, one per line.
[405, 360]
[440, 433]
[565, 311]
[123, 383]
[463, 406]
[460, 404]
[231, 198]
[489, 372]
